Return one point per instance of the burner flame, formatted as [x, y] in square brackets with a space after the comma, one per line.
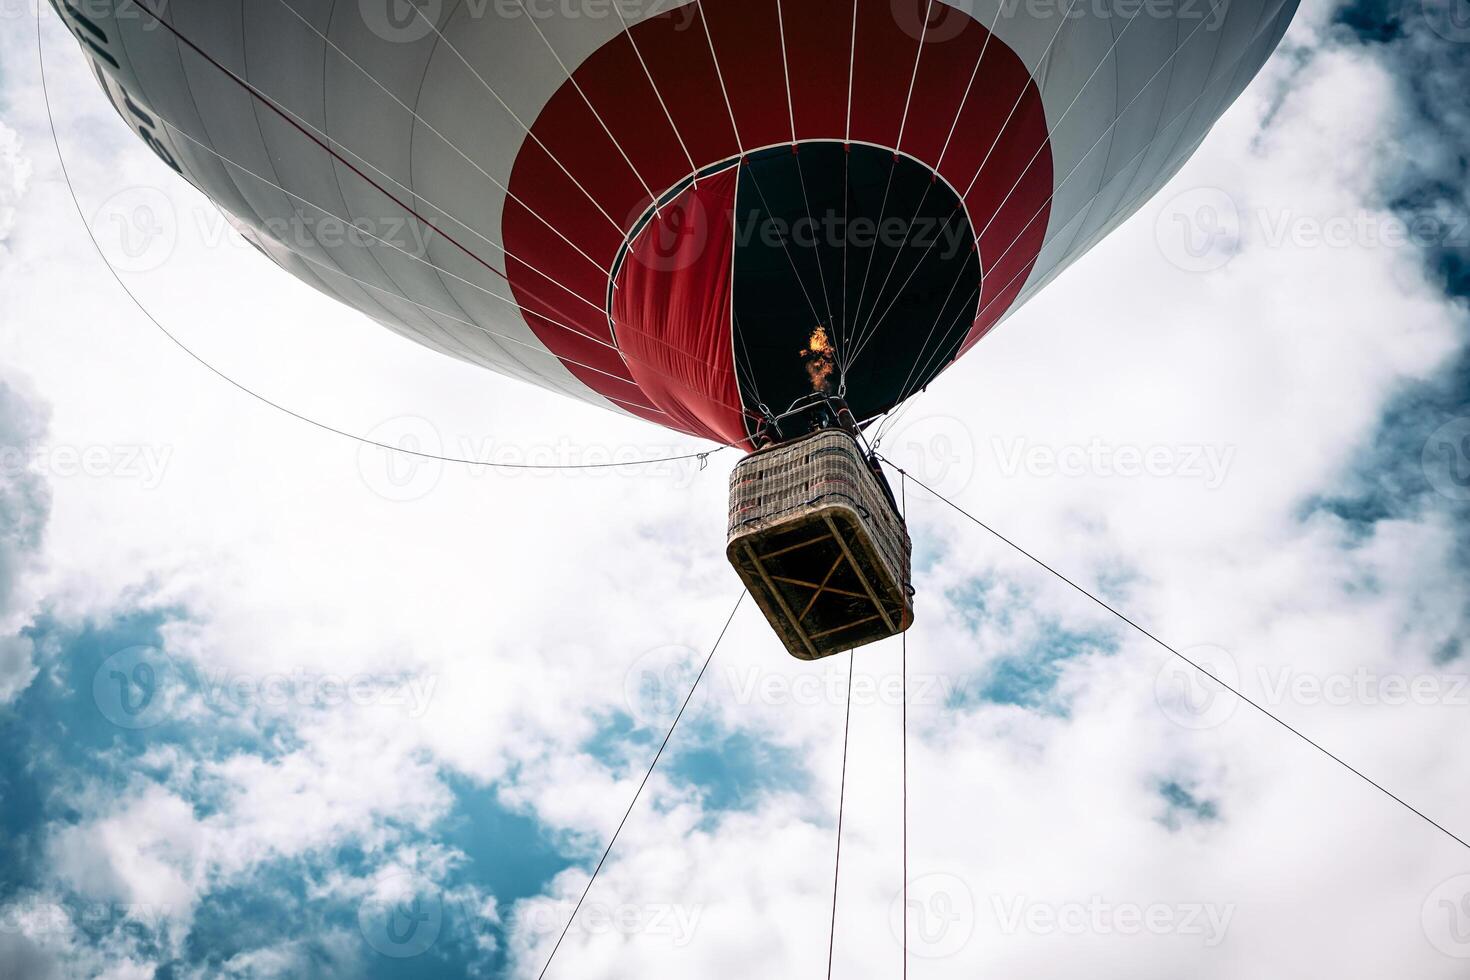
[820, 358]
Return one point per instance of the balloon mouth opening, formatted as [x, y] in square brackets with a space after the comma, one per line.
[853, 270]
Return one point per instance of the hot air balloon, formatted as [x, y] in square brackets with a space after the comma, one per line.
[696, 212]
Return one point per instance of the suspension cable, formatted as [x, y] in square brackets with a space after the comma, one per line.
[1001, 292]
[1052, 129]
[572, 78]
[420, 120]
[255, 93]
[920, 367]
[530, 133]
[857, 310]
[840, 332]
[897, 147]
[903, 498]
[817, 242]
[841, 799]
[633, 41]
[1203, 671]
[720, 76]
[528, 314]
[1020, 96]
[639, 791]
[766, 206]
[277, 406]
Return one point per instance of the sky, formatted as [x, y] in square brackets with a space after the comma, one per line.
[274, 704]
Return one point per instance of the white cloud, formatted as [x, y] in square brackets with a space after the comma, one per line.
[21, 957]
[17, 667]
[526, 599]
[25, 503]
[15, 176]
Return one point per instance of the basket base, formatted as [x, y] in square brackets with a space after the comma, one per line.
[818, 577]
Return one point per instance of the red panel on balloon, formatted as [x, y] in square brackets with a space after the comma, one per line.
[913, 70]
[671, 309]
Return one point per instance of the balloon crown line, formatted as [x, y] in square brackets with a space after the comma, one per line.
[702, 456]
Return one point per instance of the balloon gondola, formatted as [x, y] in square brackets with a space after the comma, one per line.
[649, 208]
[816, 535]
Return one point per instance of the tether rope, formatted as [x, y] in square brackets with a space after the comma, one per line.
[639, 792]
[841, 800]
[541, 317]
[903, 498]
[1203, 671]
[255, 93]
[97, 246]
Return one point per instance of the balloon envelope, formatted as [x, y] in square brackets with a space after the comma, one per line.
[653, 206]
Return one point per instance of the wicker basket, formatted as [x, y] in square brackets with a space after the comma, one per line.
[815, 537]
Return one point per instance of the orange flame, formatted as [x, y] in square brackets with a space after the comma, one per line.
[821, 359]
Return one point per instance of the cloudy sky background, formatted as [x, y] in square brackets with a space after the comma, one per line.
[385, 687]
